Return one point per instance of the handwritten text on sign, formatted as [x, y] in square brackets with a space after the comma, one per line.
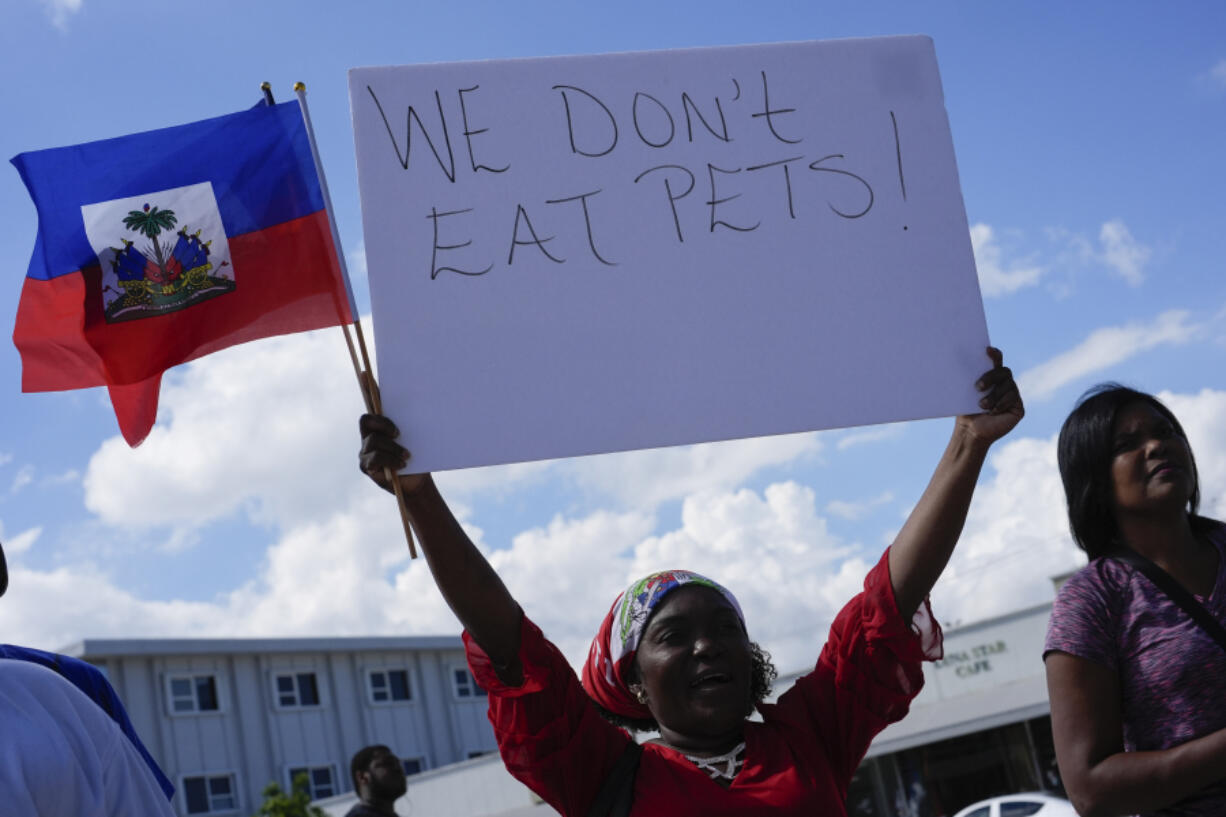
[584, 254]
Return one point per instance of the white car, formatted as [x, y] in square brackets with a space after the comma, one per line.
[1020, 805]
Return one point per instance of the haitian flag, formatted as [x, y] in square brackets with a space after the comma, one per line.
[161, 247]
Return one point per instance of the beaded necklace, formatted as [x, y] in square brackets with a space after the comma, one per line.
[721, 767]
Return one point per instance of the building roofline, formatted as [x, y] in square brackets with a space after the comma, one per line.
[122, 647]
[992, 621]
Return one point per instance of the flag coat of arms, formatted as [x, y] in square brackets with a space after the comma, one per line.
[157, 248]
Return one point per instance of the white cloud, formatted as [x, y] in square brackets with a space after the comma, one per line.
[355, 261]
[873, 435]
[70, 476]
[1016, 537]
[54, 608]
[644, 479]
[857, 510]
[1073, 247]
[996, 277]
[5, 459]
[1114, 248]
[25, 476]
[180, 539]
[1201, 416]
[1104, 348]
[1122, 253]
[22, 541]
[1217, 74]
[252, 428]
[323, 577]
[567, 574]
[331, 577]
[61, 10]
[493, 480]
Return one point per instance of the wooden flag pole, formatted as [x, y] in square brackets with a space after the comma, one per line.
[363, 369]
[375, 404]
[357, 369]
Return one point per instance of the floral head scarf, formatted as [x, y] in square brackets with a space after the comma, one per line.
[606, 672]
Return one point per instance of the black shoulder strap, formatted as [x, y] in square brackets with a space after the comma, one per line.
[616, 794]
[1174, 590]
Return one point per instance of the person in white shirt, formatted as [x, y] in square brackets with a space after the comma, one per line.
[61, 756]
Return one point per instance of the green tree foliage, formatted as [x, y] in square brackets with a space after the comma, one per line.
[150, 222]
[297, 803]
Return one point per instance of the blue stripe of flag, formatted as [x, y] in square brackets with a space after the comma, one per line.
[259, 161]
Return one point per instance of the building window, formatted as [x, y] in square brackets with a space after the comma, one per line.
[192, 693]
[465, 685]
[212, 794]
[389, 685]
[412, 765]
[320, 781]
[299, 689]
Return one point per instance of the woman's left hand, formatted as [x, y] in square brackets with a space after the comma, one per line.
[1001, 403]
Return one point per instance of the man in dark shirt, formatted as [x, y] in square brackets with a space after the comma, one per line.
[378, 779]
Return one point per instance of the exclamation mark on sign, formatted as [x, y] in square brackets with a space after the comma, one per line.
[902, 182]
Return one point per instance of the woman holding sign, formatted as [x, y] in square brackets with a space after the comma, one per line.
[673, 655]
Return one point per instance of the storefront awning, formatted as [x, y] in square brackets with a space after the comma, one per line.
[1008, 703]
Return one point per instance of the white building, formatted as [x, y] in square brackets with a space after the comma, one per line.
[225, 717]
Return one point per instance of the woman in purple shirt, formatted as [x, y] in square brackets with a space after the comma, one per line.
[1137, 688]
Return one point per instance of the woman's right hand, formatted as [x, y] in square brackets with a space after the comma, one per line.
[381, 456]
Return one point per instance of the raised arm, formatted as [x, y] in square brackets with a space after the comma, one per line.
[1101, 778]
[927, 539]
[469, 584]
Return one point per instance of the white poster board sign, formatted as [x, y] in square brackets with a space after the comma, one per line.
[585, 254]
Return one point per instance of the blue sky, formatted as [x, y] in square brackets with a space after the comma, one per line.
[1088, 141]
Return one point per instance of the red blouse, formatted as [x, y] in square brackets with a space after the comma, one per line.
[798, 760]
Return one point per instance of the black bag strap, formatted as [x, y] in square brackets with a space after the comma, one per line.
[616, 794]
[1174, 590]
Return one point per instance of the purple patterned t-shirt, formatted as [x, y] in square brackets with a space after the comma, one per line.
[1172, 673]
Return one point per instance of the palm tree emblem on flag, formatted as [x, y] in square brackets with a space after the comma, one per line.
[155, 277]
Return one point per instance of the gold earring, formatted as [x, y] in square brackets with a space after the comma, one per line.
[640, 694]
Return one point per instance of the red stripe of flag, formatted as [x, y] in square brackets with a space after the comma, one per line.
[287, 279]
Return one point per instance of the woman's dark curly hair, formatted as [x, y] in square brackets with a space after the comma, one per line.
[764, 674]
[1085, 451]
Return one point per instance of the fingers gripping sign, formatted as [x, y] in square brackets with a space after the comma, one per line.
[1001, 402]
